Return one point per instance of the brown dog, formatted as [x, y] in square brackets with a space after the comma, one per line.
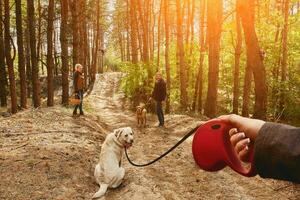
[141, 115]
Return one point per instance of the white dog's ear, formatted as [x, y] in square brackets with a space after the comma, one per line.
[118, 133]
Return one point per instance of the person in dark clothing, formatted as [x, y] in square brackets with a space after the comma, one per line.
[159, 95]
[78, 87]
[276, 146]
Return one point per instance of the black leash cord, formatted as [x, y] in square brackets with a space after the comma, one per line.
[166, 153]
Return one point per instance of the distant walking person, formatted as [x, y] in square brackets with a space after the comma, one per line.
[78, 87]
[159, 95]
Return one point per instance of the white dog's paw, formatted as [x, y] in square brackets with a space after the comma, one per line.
[102, 190]
[97, 195]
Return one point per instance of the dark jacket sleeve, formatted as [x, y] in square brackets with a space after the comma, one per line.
[164, 90]
[277, 152]
[153, 95]
[75, 81]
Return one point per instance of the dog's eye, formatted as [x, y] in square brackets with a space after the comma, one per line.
[126, 135]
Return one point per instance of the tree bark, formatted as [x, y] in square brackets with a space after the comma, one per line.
[199, 79]
[151, 29]
[75, 31]
[167, 59]
[96, 42]
[39, 50]
[64, 52]
[214, 28]
[247, 90]
[50, 62]
[3, 77]
[158, 33]
[284, 59]
[128, 54]
[9, 59]
[21, 58]
[237, 55]
[246, 10]
[133, 25]
[182, 64]
[28, 63]
[143, 15]
[34, 65]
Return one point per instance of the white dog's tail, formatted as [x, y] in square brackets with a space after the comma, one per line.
[101, 191]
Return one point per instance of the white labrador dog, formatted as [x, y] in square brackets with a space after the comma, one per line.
[108, 172]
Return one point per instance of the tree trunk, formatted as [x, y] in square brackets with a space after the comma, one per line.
[246, 10]
[50, 62]
[247, 90]
[21, 58]
[144, 16]
[39, 40]
[182, 64]
[128, 54]
[83, 37]
[86, 51]
[3, 78]
[158, 33]
[28, 63]
[192, 28]
[151, 29]
[133, 25]
[199, 79]
[75, 33]
[64, 52]
[35, 69]
[96, 43]
[237, 55]
[9, 59]
[55, 56]
[214, 28]
[167, 59]
[191, 44]
[284, 59]
[101, 70]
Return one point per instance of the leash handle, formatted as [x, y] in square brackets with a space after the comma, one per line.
[164, 154]
[213, 151]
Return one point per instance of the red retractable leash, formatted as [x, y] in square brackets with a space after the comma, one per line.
[212, 149]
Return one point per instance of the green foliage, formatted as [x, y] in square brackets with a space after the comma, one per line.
[135, 83]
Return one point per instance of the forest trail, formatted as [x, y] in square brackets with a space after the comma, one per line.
[48, 154]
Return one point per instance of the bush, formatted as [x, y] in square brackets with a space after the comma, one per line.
[135, 83]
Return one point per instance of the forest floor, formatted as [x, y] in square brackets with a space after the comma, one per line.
[48, 154]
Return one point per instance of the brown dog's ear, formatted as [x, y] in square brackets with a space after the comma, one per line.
[118, 132]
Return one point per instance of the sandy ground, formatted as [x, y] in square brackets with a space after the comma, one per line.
[48, 154]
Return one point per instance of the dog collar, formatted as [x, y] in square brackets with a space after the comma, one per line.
[119, 143]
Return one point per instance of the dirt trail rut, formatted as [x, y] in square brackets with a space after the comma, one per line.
[47, 154]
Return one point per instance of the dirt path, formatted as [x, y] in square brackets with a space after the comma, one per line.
[47, 154]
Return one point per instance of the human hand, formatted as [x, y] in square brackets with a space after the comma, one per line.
[245, 130]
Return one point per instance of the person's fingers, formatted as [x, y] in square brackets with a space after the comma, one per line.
[242, 144]
[232, 119]
[244, 154]
[250, 127]
[232, 131]
[236, 138]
